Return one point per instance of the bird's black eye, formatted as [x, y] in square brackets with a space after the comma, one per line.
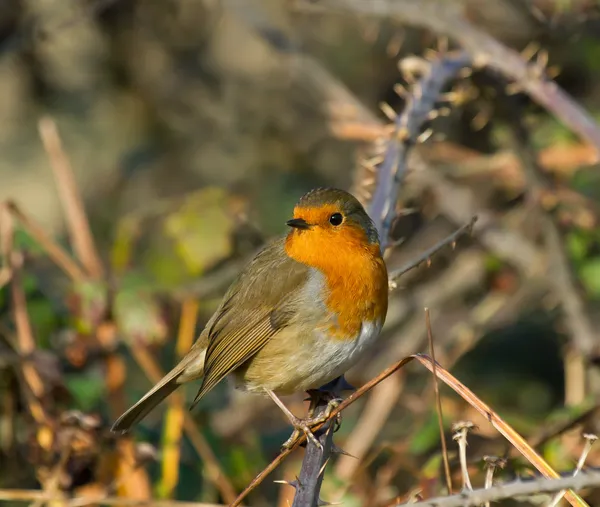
[336, 219]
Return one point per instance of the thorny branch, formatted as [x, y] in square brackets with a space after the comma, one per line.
[445, 19]
[408, 127]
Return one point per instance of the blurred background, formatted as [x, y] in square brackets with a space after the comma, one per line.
[183, 132]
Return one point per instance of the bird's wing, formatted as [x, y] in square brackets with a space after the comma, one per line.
[264, 299]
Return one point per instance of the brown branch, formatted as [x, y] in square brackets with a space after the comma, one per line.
[438, 403]
[444, 18]
[56, 253]
[426, 256]
[70, 197]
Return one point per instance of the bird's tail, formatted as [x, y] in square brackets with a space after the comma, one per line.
[159, 392]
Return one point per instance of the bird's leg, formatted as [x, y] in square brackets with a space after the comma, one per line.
[300, 425]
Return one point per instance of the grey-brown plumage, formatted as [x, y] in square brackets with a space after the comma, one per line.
[251, 312]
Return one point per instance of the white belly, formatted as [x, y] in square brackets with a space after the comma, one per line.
[331, 358]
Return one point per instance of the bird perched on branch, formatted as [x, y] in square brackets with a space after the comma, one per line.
[297, 317]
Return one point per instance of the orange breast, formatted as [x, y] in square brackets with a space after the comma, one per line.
[356, 276]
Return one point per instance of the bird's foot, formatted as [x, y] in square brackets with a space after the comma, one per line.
[306, 425]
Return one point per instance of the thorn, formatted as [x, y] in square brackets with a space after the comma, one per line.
[388, 111]
[530, 50]
[401, 90]
[373, 161]
[451, 97]
[338, 450]
[369, 180]
[542, 61]
[553, 71]
[428, 262]
[322, 469]
[323, 503]
[433, 114]
[424, 135]
[293, 484]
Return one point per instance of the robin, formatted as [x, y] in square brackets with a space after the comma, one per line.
[297, 317]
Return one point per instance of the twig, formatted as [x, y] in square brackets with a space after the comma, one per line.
[56, 253]
[445, 18]
[445, 376]
[395, 275]
[79, 228]
[514, 489]
[438, 403]
[26, 341]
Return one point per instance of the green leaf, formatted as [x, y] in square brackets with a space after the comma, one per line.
[590, 276]
[577, 245]
[139, 317]
[201, 229]
[87, 391]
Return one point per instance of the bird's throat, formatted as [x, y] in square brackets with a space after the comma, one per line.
[355, 274]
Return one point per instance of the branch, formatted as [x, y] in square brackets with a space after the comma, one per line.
[518, 488]
[408, 127]
[444, 18]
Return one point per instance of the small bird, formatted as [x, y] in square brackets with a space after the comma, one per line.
[297, 317]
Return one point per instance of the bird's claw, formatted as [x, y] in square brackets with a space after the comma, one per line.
[302, 426]
[305, 425]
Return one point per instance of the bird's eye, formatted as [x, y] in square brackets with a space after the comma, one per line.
[336, 219]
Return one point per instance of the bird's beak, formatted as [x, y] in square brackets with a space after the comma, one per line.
[298, 223]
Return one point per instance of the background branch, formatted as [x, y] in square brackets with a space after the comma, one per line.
[445, 18]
